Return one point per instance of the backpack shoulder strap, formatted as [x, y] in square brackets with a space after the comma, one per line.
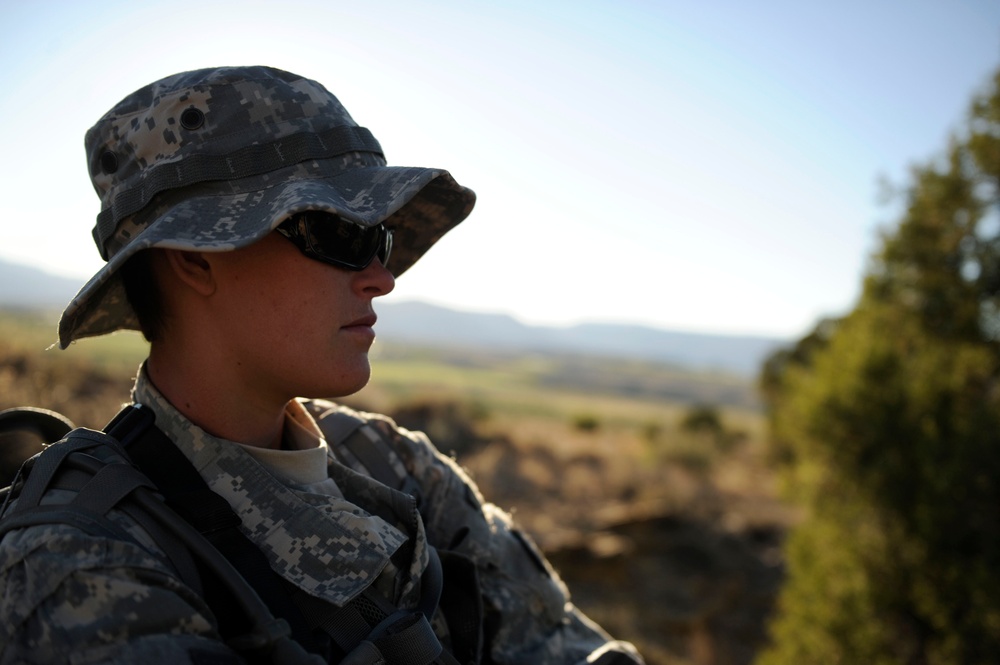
[187, 493]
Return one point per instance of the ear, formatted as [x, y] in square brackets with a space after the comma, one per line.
[193, 269]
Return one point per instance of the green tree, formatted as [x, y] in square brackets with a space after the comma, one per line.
[887, 423]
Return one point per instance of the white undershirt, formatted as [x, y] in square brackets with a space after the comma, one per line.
[301, 463]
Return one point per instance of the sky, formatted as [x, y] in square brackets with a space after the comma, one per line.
[704, 166]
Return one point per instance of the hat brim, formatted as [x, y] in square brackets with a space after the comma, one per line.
[419, 204]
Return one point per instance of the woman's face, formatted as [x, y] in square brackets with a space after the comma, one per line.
[298, 327]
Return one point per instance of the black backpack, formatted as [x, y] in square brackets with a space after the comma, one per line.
[134, 467]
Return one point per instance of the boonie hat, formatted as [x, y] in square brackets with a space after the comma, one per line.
[215, 159]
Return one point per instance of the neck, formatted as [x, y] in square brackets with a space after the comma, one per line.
[215, 396]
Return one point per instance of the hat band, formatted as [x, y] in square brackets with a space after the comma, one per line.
[249, 161]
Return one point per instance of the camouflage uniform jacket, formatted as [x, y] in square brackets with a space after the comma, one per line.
[71, 597]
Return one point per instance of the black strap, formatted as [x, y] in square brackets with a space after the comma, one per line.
[462, 606]
[251, 160]
[407, 639]
[186, 492]
[95, 525]
[45, 467]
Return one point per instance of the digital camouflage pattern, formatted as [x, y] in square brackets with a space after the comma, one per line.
[214, 159]
[67, 596]
[71, 597]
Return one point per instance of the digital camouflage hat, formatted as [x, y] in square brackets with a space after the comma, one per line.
[215, 159]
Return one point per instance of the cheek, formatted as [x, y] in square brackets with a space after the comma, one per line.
[287, 316]
[259, 306]
[288, 299]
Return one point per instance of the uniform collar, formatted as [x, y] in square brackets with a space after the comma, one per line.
[324, 545]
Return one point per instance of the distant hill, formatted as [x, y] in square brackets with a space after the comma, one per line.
[421, 323]
[24, 286]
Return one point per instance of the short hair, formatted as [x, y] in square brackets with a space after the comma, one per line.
[144, 294]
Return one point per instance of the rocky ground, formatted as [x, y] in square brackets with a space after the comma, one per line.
[686, 565]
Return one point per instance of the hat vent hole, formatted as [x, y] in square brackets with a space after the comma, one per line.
[109, 162]
[192, 118]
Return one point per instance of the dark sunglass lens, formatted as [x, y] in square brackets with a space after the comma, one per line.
[341, 243]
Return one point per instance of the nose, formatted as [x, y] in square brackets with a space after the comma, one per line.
[375, 280]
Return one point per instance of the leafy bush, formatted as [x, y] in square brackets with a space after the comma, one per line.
[888, 422]
[702, 418]
[586, 422]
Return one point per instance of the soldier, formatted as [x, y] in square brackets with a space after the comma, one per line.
[248, 223]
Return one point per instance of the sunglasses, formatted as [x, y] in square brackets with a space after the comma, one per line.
[326, 237]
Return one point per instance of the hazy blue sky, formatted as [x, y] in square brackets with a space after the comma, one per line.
[707, 166]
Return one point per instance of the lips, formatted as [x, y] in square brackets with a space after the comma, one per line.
[366, 321]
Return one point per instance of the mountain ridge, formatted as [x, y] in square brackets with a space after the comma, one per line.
[29, 287]
[417, 322]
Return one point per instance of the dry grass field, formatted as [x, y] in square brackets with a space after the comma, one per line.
[647, 486]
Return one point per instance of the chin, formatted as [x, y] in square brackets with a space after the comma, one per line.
[346, 391]
[347, 383]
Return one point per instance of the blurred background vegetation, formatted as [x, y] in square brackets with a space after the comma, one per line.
[886, 424]
[872, 443]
